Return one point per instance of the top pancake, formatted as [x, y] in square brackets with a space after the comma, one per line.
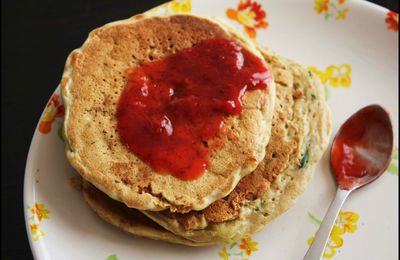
[91, 85]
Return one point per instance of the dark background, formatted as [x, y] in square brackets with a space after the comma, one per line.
[36, 38]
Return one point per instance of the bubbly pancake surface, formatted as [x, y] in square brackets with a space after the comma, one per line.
[92, 83]
[300, 134]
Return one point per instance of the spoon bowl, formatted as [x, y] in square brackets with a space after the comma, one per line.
[360, 153]
[362, 148]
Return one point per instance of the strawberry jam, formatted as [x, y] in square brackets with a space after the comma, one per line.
[170, 108]
[362, 147]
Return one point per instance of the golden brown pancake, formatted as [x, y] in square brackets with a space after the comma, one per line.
[91, 85]
[128, 219]
[300, 133]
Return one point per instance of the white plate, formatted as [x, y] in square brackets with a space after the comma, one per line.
[351, 44]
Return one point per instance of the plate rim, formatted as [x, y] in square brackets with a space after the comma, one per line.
[38, 248]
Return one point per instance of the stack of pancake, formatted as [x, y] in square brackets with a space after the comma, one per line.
[260, 162]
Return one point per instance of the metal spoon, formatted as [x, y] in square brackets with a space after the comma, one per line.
[361, 152]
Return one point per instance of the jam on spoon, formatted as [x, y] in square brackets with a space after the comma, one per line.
[361, 152]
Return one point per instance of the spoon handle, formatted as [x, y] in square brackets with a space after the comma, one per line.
[318, 246]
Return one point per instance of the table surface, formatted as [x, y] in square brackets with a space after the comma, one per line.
[37, 36]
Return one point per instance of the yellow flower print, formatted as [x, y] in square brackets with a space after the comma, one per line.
[347, 221]
[331, 8]
[40, 211]
[335, 241]
[223, 254]
[173, 7]
[339, 76]
[249, 14]
[334, 75]
[248, 246]
[342, 14]
[323, 76]
[36, 231]
[181, 6]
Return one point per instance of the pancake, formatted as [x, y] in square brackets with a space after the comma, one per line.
[128, 219]
[301, 129]
[92, 82]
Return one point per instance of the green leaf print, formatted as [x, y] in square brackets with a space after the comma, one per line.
[394, 165]
[314, 219]
[112, 257]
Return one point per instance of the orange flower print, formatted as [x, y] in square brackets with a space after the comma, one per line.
[34, 228]
[392, 21]
[38, 214]
[249, 14]
[53, 110]
[321, 6]
[347, 221]
[239, 251]
[40, 211]
[248, 246]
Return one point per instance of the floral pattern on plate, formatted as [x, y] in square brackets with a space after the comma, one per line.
[112, 257]
[53, 110]
[334, 8]
[241, 13]
[173, 7]
[333, 76]
[242, 249]
[392, 21]
[346, 222]
[250, 15]
[394, 165]
[38, 214]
